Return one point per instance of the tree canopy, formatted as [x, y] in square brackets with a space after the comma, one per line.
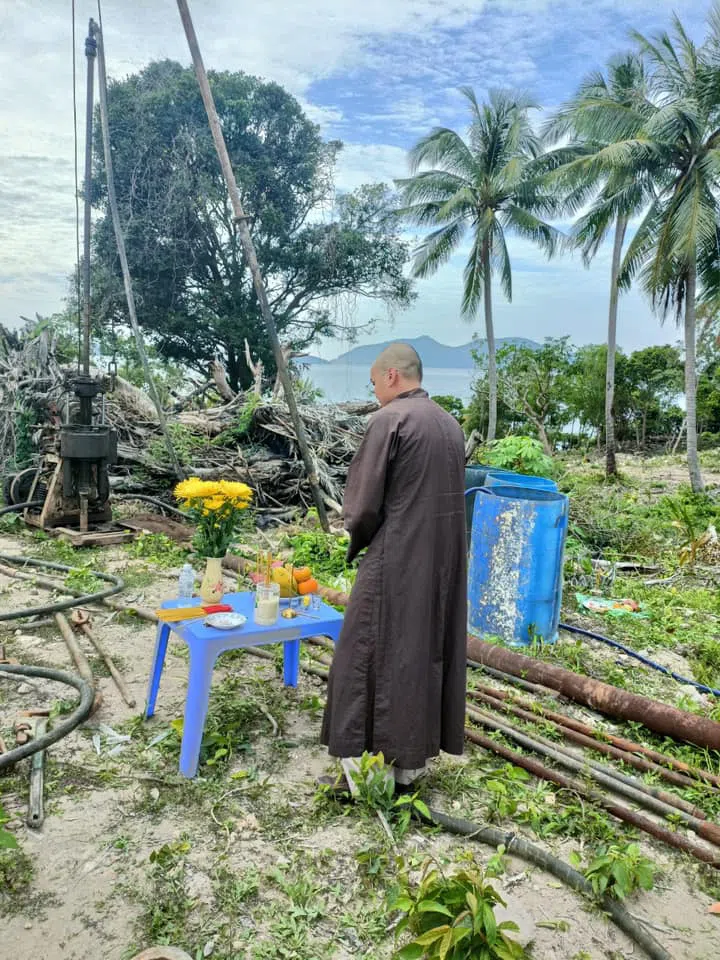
[194, 293]
[483, 184]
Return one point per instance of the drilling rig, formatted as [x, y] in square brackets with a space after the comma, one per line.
[69, 494]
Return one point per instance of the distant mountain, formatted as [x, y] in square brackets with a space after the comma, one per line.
[432, 353]
[311, 361]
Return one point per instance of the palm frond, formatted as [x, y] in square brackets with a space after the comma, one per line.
[527, 225]
[641, 245]
[473, 276]
[445, 149]
[501, 260]
[437, 248]
[430, 185]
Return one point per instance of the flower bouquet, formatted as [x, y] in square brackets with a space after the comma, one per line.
[216, 508]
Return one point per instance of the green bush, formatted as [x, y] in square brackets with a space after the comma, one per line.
[522, 454]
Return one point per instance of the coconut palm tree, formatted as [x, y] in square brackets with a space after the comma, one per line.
[482, 184]
[675, 249]
[604, 110]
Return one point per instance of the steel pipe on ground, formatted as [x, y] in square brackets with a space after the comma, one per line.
[659, 717]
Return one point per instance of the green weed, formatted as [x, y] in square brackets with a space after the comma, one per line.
[451, 916]
[618, 870]
[158, 549]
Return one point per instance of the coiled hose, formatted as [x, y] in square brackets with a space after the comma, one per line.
[62, 729]
[492, 836]
[87, 694]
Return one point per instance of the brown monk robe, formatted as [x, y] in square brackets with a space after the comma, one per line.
[397, 683]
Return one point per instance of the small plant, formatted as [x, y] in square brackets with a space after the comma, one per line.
[185, 443]
[618, 870]
[83, 579]
[452, 917]
[158, 549]
[376, 791]
[7, 840]
[522, 454]
[324, 553]
[239, 430]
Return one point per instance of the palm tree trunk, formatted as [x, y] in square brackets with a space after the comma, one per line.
[696, 480]
[610, 462]
[490, 336]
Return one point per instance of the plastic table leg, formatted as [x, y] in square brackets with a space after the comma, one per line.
[202, 663]
[291, 662]
[161, 642]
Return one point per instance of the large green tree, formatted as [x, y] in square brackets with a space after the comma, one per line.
[605, 109]
[483, 184]
[195, 296]
[655, 377]
[585, 394]
[532, 383]
[675, 249]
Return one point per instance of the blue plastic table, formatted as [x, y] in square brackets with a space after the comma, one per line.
[205, 644]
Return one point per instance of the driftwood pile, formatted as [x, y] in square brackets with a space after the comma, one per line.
[216, 434]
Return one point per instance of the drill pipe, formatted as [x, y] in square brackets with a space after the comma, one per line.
[616, 809]
[625, 750]
[602, 697]
[589, 743]
[538, 769]
[610, 779]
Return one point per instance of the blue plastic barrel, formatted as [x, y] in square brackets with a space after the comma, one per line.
[516, 564]
[502, 478]
[474, 477]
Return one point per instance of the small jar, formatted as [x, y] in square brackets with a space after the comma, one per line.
[267, 604]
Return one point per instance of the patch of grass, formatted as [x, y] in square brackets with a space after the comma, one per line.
[138, 577]
[16, 875]
[167, 907]
[158, 549]
[233, 890]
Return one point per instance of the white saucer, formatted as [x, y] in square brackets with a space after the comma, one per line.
[225, 621]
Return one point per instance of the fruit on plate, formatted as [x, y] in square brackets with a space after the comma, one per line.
[301, 574]
[308, 586]
[283, 577]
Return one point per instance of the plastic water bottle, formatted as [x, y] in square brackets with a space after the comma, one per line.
[186, 583]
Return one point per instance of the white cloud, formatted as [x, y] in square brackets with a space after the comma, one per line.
[389, 69]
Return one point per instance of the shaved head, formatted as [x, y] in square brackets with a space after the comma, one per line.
[403, 358]
[397, 370]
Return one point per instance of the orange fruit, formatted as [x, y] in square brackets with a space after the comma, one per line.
[308, 586]
[301, 574]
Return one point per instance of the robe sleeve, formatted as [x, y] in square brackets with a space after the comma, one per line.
[365, 490]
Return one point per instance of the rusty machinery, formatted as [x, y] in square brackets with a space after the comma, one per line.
[70, 490]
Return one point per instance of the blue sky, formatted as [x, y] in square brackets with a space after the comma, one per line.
[377, 74]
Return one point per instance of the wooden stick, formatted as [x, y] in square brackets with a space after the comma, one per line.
[246, 241]
[114, 672]
[122, 255]
[73, 646]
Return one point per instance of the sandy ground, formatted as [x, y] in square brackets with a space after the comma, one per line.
[91, 856]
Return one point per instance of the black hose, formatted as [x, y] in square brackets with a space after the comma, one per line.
[16, 507]
[638, 656]
[78, 600]
[494, 837]
[66, 726]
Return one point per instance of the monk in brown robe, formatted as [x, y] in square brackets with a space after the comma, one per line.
[397, 683]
